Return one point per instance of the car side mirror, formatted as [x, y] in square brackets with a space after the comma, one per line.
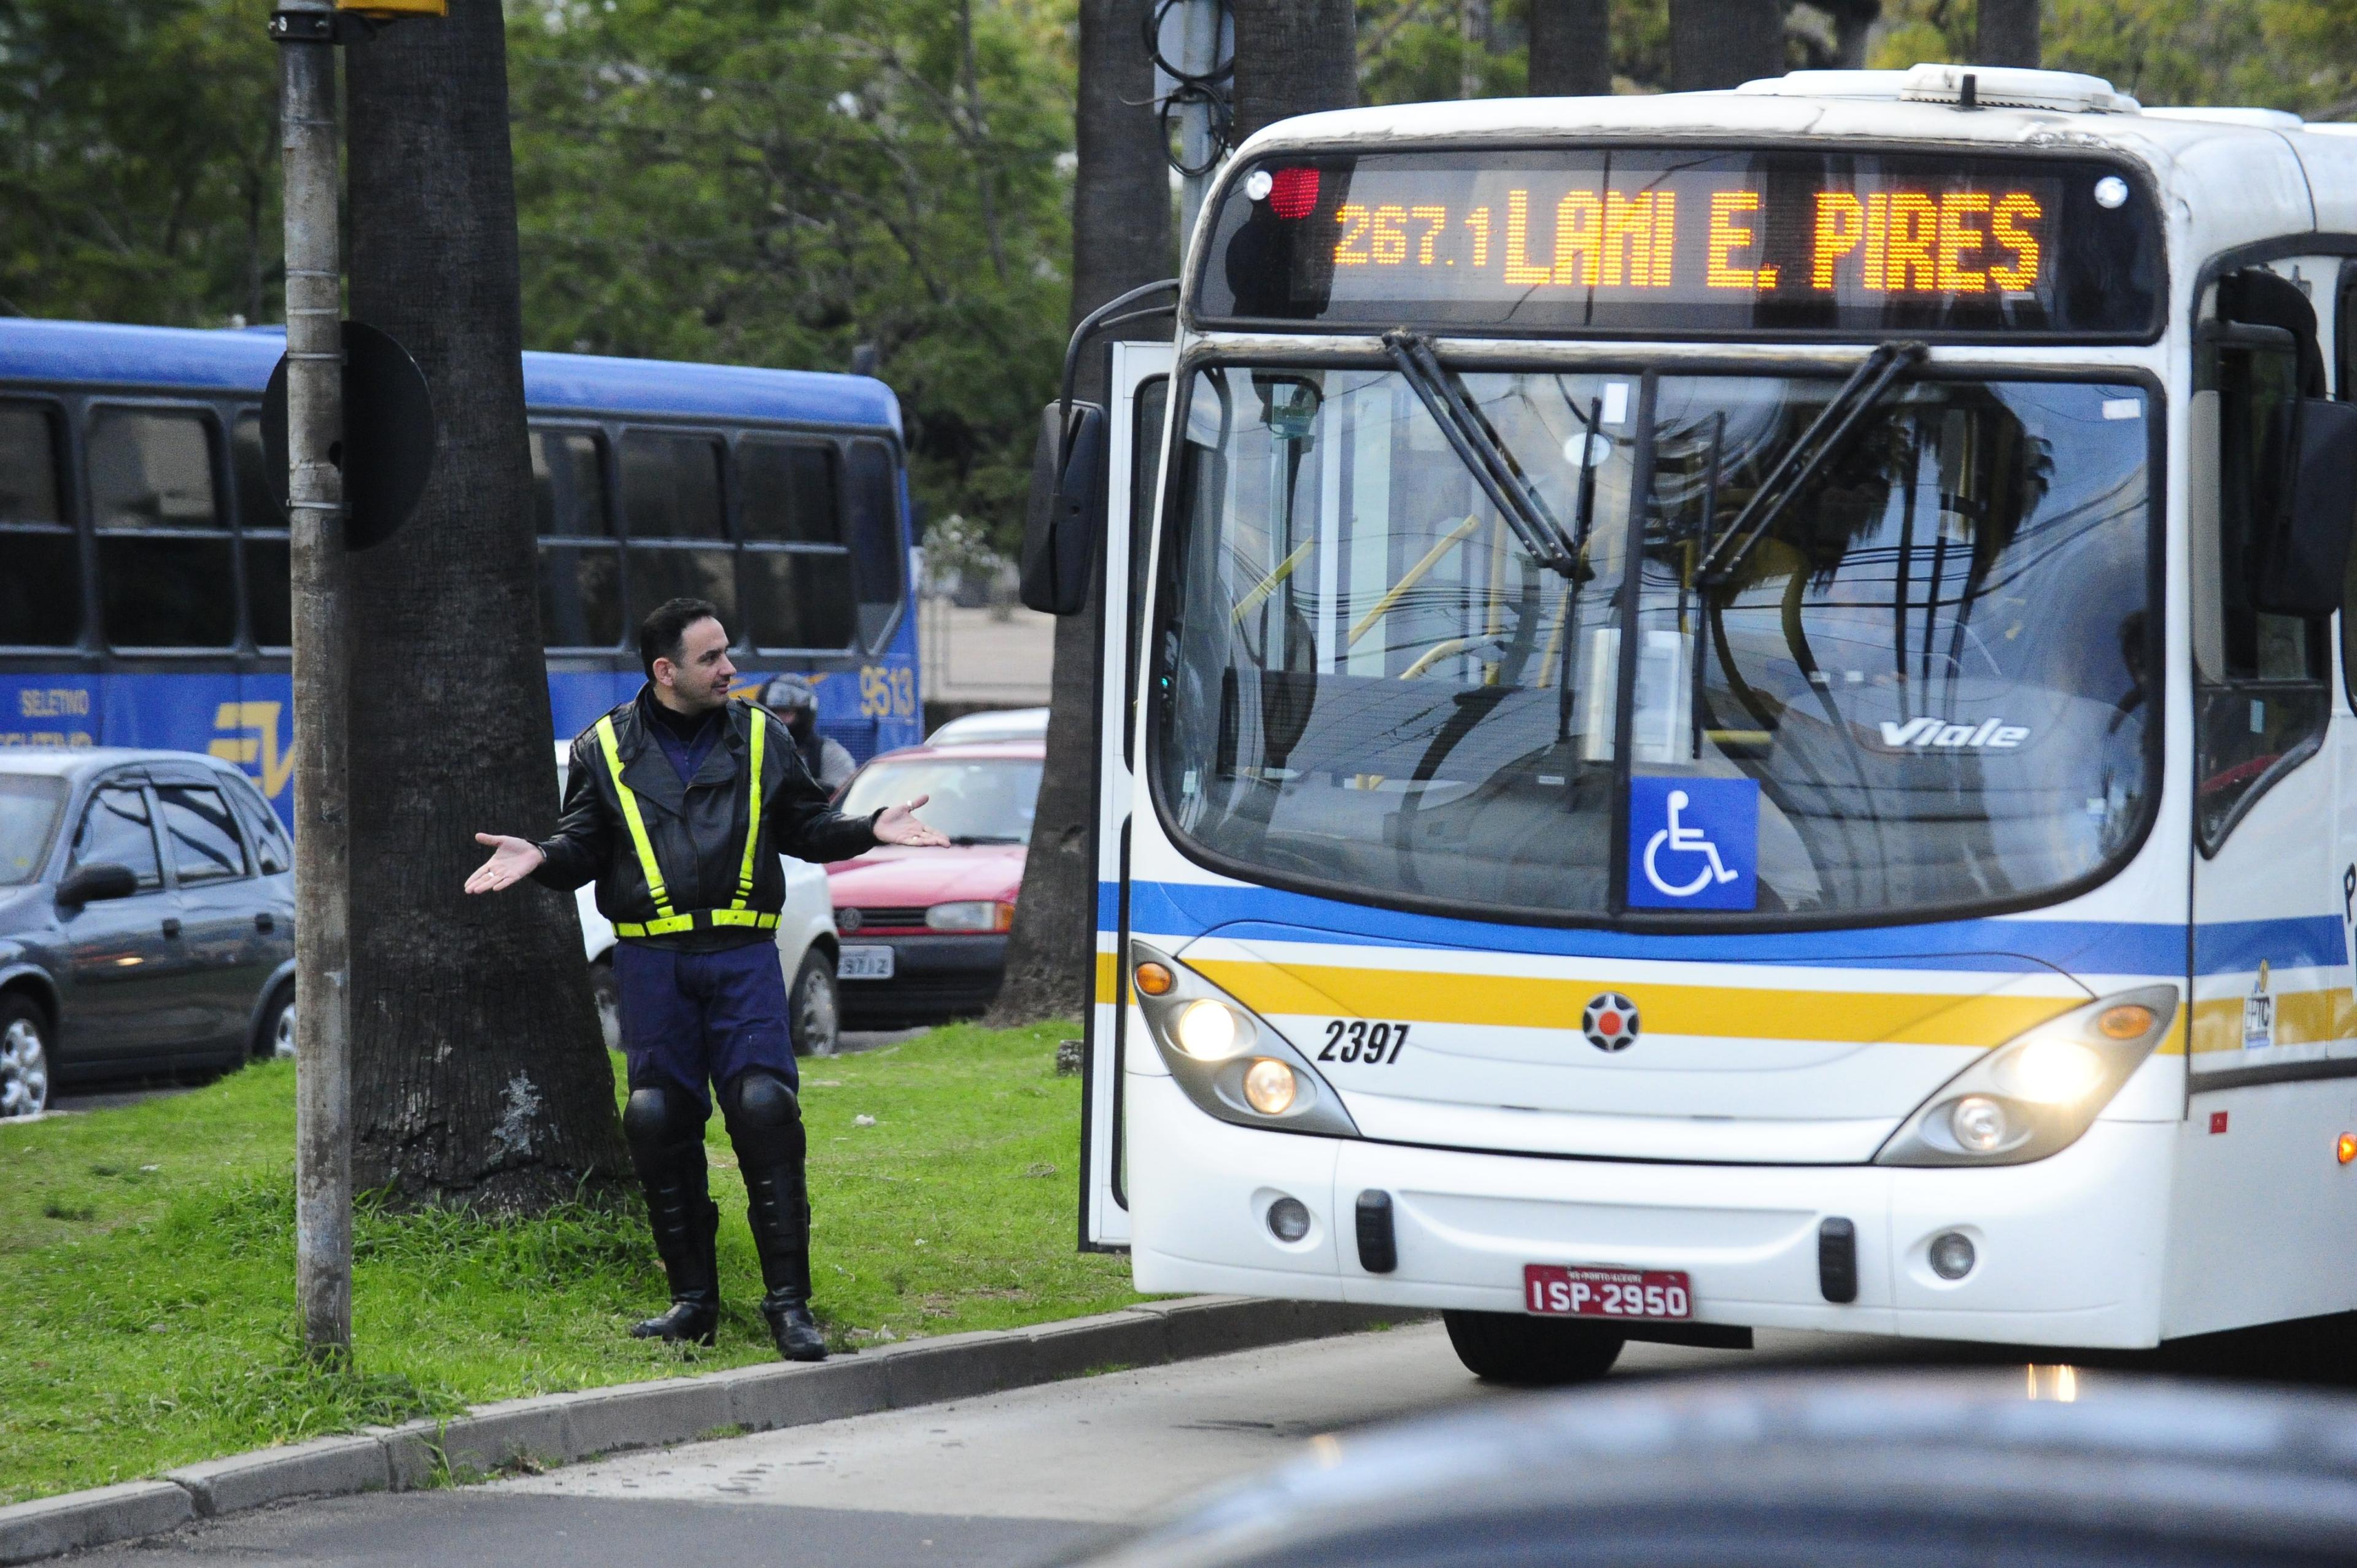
[1066, 509]
[2313, 445]
[101, 879]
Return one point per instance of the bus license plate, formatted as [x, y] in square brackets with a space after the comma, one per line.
[865, 963]
[1553, 1291]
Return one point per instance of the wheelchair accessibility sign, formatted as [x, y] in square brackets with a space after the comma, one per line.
[1692, 843]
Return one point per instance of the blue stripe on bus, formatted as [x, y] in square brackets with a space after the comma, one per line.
[1193, 909]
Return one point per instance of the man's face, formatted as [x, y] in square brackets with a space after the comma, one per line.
[699, 678]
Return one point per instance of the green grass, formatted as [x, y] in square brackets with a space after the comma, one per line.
[147, 1261]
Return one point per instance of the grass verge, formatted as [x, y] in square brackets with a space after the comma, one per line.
[147, 1261]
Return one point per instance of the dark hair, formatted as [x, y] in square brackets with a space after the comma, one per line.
[660, 634]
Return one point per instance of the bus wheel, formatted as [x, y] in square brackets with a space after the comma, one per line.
[1534, 1352]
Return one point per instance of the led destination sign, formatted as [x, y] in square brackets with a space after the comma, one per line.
[1714, 243]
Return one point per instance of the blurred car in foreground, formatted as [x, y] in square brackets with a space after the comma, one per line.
[991, 726]
[806, 949]
[924, 931]
[147, 920]
[2041, 1465]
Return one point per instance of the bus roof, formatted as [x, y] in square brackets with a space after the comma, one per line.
[89, 353]
[2240, 170]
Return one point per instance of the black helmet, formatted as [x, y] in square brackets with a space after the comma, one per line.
[789, 694]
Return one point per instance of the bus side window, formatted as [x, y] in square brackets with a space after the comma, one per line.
[675, 531]
[2345, 387]
[164, 551]
[580, 566]
[797, 572]
[2261, 701]
[40, 562]
[872, 520]
[262, 537]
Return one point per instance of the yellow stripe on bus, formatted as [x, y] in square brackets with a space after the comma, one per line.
[2302, 1018]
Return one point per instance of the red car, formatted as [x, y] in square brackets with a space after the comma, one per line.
[924, 932]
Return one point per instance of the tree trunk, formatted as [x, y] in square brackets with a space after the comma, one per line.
[1719, 43]
[1120, 239]
[1571, 48]
[477, 1074]
[1293, 57]
[2008, 33]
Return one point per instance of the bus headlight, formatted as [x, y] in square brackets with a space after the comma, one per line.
[1211, 1031]
[2036, 1095]
[1231, 1062]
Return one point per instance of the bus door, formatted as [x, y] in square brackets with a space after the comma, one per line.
[2271, 954]
[1139, 400]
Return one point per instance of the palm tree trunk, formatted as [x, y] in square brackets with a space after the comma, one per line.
[477, 1073]
[2008, 33]
[1719, 43]
[1120, 239]
[1571, 48]
[1293, 57]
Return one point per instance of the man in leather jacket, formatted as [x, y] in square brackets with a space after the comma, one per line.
[678, 805]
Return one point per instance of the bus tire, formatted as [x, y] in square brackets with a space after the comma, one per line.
[1531, 1352]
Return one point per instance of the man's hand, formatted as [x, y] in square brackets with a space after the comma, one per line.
[898, 824]
[513, 860]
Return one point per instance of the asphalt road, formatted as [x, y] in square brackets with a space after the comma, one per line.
[1022, 1478]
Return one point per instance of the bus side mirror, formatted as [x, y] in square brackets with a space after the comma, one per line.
[1066, 509]
[2308, 549]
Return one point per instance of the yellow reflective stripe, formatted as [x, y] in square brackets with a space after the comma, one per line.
[613, 751]
[695, 919]
[753, 818]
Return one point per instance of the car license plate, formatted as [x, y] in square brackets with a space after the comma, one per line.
[865, 963]
[1551, 1290]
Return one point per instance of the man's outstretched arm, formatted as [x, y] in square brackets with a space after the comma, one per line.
[565, 860]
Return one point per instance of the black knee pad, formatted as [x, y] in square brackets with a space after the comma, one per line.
[765, 1120]
[656, 1118]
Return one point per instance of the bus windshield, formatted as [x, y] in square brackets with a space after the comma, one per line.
[1923, 682]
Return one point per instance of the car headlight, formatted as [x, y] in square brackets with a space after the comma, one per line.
[1232, 1063]
[2037, 1093]
[971, 914]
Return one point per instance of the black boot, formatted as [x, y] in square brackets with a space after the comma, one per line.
[764, 1124]
[666, 1136]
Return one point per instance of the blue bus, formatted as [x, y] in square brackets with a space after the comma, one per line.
[143, 564]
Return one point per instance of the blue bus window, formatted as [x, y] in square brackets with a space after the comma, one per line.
[262, 538]
[873, 494]
[670, 486]
[670, 495]
[40, 566]
[580, 585]
[163, 550]
[799, 599]
[786, 492]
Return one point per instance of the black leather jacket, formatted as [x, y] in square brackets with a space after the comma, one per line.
[697, 829]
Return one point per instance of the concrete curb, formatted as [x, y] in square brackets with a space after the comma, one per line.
[556, 1429]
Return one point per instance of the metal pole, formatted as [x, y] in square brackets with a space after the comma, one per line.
[315, 421]
[1199, 56]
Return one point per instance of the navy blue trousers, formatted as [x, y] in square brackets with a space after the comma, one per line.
[693, 1018]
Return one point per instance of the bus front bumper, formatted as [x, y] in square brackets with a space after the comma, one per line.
[2068, 1250]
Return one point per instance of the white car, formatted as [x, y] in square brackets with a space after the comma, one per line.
[806, 951]
[991, 726]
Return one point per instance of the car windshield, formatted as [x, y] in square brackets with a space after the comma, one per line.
[1925, 682]
[977, 801]
[28, 819]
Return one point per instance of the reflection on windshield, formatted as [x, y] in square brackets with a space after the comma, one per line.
[985, 800]
[1925, 680]
[28, 816]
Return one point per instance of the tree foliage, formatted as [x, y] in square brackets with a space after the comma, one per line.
[139, 160]
[780, 182]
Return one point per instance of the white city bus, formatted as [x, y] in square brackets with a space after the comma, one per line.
[1732, 716]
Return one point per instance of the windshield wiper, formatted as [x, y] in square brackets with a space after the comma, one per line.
[984, 838]
[1827, 437]
[1477, 446]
